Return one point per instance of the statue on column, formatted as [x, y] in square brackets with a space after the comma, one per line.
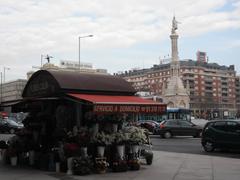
[174, 25]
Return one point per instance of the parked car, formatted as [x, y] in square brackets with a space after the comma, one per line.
[222, 134]
[9, 126]
[169, 128]
[150, 125]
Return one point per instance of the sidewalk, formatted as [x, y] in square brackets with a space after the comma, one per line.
[166, 166]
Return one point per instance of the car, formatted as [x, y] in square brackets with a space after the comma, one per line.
[221, 134]
[169, 128]
[9, 126]
[150, 125]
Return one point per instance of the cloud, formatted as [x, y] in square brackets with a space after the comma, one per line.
[34, 27]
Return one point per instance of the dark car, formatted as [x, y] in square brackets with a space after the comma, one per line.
[169, 128]
[221, 134]
[9, 126]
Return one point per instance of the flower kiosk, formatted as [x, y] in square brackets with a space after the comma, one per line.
[80, 123]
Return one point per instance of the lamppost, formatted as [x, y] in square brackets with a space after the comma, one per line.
[1, 88]
[4, 69]
[79, 40]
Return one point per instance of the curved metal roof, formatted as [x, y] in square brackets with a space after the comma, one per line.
[67, 81]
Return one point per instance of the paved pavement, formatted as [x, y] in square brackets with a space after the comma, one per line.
[166, 166]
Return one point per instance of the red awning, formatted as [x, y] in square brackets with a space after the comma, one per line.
[107, 99]
[126, 104]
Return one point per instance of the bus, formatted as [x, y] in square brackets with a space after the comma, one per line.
[171, 113]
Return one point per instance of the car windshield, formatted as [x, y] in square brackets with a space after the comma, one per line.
[12, 122]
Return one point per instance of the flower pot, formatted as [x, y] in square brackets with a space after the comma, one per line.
[31, 157]
[115, 127]
[13, 160]
[69, 166]
[120, 150]
[100, 150]
[84, 151]
[135, 148]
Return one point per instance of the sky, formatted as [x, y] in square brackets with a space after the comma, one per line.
[127, 34]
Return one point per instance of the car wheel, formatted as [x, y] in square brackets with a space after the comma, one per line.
[167, 134]
[12, 131]
[208, 146]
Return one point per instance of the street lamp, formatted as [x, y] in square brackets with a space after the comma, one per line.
[79, 40]
[4, 69]
[1, 88]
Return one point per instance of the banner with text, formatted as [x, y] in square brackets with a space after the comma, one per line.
[116, 108]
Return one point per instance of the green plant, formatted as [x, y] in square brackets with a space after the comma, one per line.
[120, 138]
[102, 139]
[136, 135]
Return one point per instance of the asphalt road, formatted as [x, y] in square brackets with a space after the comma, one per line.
[187, 145]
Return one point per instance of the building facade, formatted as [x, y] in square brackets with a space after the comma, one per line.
[214, 89]
[11, 92]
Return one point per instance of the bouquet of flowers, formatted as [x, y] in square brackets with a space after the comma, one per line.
[102, 139]
[136, 135]
[101, 165]
[120, 138]
[82, 165]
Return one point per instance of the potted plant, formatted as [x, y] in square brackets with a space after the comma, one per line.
[119, 139]
[136, 136]
[101, 140]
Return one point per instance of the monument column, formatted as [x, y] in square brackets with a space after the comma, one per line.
[175, 93]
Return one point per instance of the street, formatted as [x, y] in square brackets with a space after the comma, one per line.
[187, 145]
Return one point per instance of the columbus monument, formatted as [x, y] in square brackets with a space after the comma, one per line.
[175, 95]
